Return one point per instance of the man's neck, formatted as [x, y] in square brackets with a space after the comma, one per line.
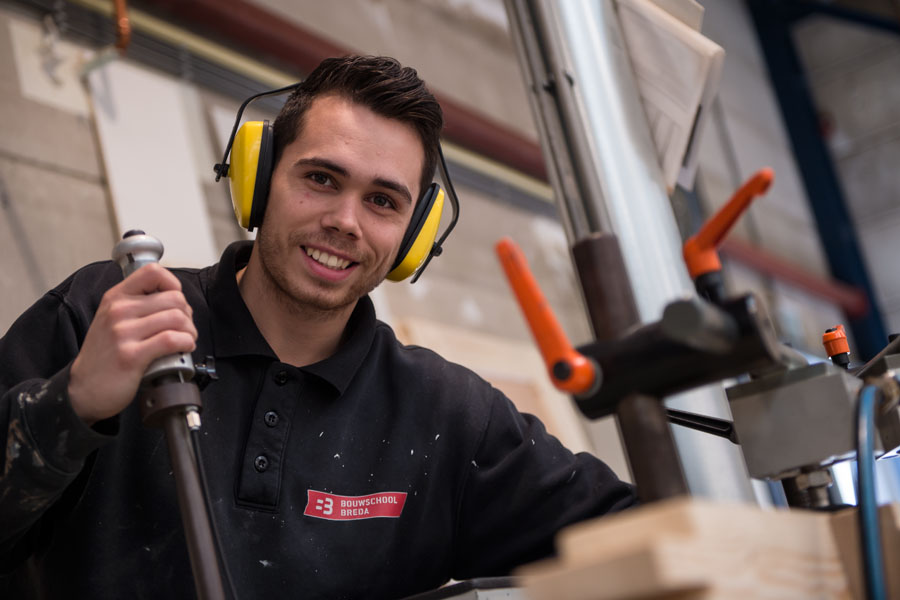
[299, 335]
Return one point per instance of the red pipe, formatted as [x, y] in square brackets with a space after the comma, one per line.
[123, 25]
[263, 33]
[850, 298]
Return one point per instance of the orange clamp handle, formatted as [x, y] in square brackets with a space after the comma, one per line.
[569, 370]
[700, 251]
[835, 342]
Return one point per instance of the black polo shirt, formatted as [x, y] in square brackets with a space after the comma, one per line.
[377, 473]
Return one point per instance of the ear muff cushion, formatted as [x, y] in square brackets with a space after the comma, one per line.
[419, 239]
[416, 221]
[249, 172]
[263, 177]
[242, 169]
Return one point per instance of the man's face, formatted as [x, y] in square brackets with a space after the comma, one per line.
[340, 199]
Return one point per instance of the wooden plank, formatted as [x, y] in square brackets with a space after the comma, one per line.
[845, 526]
[632, 574]
[689, 548]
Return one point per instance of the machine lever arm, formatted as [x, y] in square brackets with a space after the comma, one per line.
[569, 370]
[711, 425]
[700, 250]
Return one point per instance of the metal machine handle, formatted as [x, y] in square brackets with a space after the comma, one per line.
[134, 251]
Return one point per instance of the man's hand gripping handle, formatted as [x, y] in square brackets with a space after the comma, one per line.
[134, 251]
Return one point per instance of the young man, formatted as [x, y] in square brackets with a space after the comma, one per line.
[341, 464]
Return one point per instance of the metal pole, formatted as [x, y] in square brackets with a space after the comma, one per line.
[606, 177]
[192, 504]
[647, 435]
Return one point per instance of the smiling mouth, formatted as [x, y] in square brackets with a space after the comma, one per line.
[328, 260]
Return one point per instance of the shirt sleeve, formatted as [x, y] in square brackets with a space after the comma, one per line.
[44, 442]
[523, 486]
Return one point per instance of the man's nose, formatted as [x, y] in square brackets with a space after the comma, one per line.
[342, 215]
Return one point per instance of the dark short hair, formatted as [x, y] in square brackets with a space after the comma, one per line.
[379, 83]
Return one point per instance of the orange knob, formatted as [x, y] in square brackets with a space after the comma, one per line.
[835, 341]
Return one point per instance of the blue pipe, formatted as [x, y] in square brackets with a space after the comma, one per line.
[869, 532]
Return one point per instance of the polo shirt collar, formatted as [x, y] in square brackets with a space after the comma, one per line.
[234, 333]
[340, 368]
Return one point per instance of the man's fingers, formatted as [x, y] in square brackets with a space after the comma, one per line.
[123, 307]
[149, 279]
[164, 343]
[136, 356]
[140, 329]
[150, 289]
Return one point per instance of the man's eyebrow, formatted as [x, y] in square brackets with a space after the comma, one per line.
[396, 186]
[315, 161]
[324, 163]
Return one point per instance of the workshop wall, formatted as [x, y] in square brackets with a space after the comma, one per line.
[460, 47]
[854, 76]
[52, 192]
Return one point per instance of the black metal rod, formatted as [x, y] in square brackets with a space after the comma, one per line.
[605, 284]
[710, 425]
[192, 503]
[650, 447]
[642, 419]
[892, 348]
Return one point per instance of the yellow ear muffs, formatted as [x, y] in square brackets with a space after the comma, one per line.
[250, 172]
[251, 148]
[418, 241]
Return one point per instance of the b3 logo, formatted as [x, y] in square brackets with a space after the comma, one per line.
[326, 505]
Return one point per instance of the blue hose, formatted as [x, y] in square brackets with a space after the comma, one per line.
[869, 532]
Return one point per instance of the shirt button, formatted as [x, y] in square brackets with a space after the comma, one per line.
[261, 463]
[271, 418]
[281, 377]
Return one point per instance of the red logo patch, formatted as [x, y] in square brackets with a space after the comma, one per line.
[350, 508]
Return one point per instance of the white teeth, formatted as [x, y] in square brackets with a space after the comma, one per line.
[326, 259]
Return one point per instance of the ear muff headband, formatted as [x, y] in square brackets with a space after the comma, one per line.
[418, 241]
